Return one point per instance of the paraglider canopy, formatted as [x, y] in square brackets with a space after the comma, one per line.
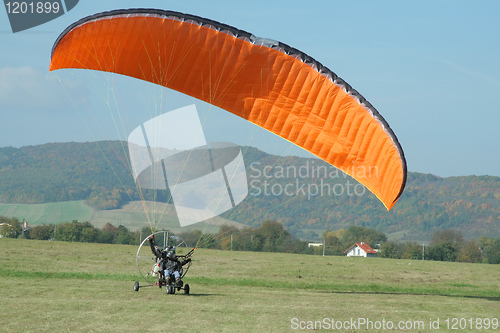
[268, 83]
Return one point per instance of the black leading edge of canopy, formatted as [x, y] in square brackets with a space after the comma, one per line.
[242, 33]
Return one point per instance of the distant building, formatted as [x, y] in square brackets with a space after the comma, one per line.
[315, 244]
[360, 250]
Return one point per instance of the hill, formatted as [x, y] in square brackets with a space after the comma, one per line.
[305, 195]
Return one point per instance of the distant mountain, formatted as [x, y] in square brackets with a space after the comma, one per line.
[306, 195]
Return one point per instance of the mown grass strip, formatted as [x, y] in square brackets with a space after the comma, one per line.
[66, 275]
[457, 290]
[343, 287]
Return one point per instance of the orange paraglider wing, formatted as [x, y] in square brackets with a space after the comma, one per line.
[268, 83]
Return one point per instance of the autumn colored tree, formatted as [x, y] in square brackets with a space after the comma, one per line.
[470, 252]
[332, 244]
[224, 236]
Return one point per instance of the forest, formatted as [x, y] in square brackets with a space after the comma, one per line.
[305, 195]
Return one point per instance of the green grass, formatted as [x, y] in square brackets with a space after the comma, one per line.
[132, 215]
[48, 213]
[56, 286]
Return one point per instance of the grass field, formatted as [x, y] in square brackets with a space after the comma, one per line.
[48, 213]
[56, 286]
[131, 215]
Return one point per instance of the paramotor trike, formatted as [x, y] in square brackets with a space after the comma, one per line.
[149, 269]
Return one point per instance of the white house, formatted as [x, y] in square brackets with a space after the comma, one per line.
[360, 250]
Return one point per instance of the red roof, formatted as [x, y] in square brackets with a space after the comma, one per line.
[365, 247]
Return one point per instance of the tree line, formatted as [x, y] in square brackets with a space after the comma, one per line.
[73, 231]
[270, 236]
[446, 245]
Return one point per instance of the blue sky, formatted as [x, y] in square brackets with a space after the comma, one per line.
[431, 68]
